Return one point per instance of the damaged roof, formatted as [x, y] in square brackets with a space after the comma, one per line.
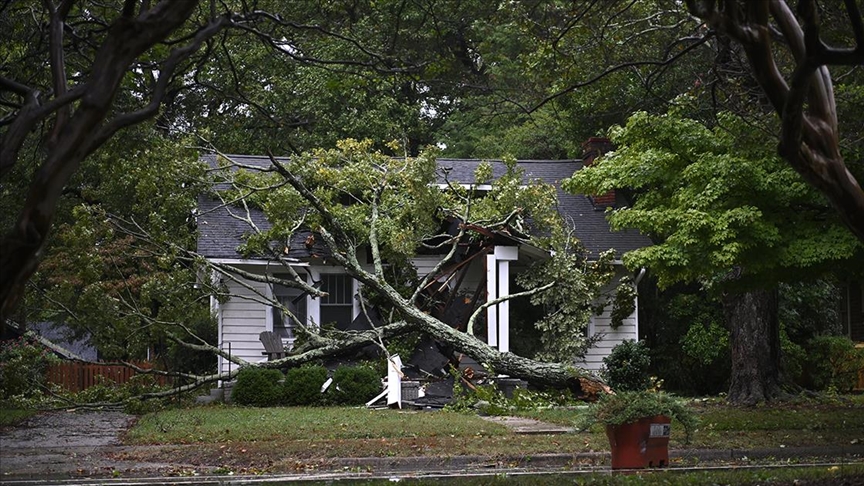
[221, 230]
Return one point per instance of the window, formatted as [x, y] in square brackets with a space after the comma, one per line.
[338, 306]
[295, 301]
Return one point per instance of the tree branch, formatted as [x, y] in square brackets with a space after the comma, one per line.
[489, 303]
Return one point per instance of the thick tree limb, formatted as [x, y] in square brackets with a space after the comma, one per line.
[809, 138]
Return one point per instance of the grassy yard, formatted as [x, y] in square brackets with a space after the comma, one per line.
[13, 416]
[286, 439]
[792, 424]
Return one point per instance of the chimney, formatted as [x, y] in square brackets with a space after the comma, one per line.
[591, 149]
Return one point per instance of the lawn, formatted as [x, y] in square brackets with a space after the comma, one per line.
[290, 439]
[834, 421]
[12, 416]
[283, 424]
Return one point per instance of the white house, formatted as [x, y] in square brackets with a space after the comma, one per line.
[484, 274]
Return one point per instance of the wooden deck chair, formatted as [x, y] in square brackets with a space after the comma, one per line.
[273, 347]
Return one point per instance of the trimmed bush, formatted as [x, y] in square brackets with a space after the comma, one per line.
[627, 368]
[833, 363]
[303, 385]
[258, 387]
[354, 385]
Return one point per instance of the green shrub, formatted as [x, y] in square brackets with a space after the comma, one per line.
[22, 368]
[258, 387]
[833, 362]
[107, 391]
[677, 354]
[354, 385]
[632, 406]
[303, 385]
[793, 359]
[627, 368]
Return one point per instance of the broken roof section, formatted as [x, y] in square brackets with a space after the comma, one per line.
[222, 232]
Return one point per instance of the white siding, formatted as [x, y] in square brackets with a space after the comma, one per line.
[629, 329]
[612, 337]
[243, 318]
[425, 263]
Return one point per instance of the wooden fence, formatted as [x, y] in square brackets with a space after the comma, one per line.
[75, 376]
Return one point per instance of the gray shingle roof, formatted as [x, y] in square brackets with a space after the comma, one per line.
[220, 233]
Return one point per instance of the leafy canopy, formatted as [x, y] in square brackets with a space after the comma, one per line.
[717, 201]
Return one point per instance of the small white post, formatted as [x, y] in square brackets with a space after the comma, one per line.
[394, 381]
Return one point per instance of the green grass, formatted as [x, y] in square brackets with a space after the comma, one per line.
[298, 439]
[13, 416]
[214, 424]
[797, 415]
[788, 424]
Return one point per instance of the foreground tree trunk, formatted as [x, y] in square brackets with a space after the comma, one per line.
[755, 342]
[80, 120]
[804, 98]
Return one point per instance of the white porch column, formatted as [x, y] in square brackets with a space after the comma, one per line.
[491, 294]
[313, 304]
[498, 285]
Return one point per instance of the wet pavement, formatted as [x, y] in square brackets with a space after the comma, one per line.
[63, 444]
[521, 425]
[71, 428]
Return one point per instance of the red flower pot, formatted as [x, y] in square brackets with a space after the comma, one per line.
[640, 444]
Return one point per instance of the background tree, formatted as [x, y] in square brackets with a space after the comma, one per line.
[727, 214]
[562, 72]
[92, 272]
[66, 64]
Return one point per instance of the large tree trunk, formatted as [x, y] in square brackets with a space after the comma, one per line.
[755, 343]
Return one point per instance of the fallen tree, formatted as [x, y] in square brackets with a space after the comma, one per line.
[358, 201]
[394, 208]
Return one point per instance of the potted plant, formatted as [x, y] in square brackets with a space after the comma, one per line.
[638, 426]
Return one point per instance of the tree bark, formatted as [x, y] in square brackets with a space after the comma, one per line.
[755, 342]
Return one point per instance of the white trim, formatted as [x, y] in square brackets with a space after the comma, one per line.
[503, 307]
[463, 185]
[313, 303]
[471, 185]
[497, 286]
[268, 315]
[506, 253]
[491, 293]
[355, 298]
[216, 311]
[258, 263]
